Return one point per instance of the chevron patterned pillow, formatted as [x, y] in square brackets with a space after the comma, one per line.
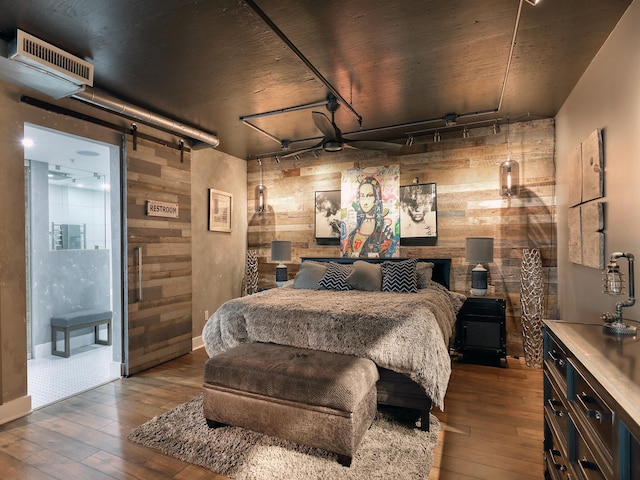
[335, 277]
[400, 276]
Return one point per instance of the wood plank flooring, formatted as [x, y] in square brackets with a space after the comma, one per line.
[491, 427]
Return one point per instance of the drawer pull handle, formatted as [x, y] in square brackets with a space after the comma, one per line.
[558, 466]
[553, 403]
[582, 399]
[557, 361]
[585, 465]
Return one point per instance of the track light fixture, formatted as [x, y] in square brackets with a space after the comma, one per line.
[532, 2]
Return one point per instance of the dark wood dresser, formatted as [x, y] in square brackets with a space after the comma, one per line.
[591, 403]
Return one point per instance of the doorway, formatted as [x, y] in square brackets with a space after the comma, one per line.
[73, 260]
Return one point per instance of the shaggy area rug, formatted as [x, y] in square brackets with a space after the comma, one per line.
[392, 448]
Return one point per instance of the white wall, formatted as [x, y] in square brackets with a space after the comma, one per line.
[607, 97]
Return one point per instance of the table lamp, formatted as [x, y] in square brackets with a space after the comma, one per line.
[281, 252]
[479, 251]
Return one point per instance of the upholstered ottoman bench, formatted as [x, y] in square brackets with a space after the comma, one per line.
[324, 400]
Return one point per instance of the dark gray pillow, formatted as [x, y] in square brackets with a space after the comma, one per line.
[400, 276]
[424, 271]
[365, 276]
[335, 278]
[309, 275]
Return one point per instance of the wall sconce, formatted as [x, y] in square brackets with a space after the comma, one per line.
[465, 132]
[613, 285]
[281, 252]
[479, 251]
[436, 136]
[509, 173]
[261, 192]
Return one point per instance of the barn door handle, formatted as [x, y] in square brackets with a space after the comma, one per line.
[139, 254]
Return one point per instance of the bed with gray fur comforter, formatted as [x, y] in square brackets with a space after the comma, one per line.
[405, 332]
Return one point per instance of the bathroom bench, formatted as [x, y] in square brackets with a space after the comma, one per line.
[67, 322]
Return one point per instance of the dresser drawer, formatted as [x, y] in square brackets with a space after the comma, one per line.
[586, 464]
[594, 412]
[555, 405]
[556, 358]
[557, 465]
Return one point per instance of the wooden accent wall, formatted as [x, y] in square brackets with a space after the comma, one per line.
[160, 324]
[469, 204]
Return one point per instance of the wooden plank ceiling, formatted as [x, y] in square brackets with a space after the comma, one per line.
[208, 63]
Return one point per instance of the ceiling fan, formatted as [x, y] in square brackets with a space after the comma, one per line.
[333, 140]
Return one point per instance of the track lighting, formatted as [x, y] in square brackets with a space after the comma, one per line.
[532, 2]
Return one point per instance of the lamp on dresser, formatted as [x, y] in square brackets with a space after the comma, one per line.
[281, 252]
[479, 251]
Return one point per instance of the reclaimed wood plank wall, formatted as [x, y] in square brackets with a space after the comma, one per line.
[466, 173]
[160, 324]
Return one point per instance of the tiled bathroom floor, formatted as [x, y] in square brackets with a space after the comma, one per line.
[53, 378]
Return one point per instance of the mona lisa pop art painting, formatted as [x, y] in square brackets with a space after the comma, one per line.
[370, 212]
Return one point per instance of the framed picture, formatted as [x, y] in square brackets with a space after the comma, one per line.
[328, 217]
[370, 213]
[418, 215]
[219, 211]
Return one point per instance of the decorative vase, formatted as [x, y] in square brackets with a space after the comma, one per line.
[531, 303]
[251, 273]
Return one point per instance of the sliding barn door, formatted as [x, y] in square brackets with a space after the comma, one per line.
[159, 254]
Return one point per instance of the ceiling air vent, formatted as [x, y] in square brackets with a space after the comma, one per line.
[43, 56]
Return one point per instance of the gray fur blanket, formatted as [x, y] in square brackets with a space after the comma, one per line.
[404, 332]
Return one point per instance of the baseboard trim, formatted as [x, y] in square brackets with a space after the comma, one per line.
[197, 343]
[15, 409]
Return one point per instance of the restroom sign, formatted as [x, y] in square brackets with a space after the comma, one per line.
[162, 209]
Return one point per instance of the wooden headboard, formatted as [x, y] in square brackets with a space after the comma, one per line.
[441, 266]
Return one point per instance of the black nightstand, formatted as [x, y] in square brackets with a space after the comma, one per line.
[481, 330]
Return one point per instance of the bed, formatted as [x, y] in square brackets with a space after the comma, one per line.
[406, 334]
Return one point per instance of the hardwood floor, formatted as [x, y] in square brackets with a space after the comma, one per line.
[492, 424]
[491, 427]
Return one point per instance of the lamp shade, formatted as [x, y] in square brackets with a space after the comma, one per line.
[280, 251]
[479, 249]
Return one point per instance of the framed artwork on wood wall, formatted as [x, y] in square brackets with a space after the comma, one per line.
[219, 211]
[327, 219]
[418, 215]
